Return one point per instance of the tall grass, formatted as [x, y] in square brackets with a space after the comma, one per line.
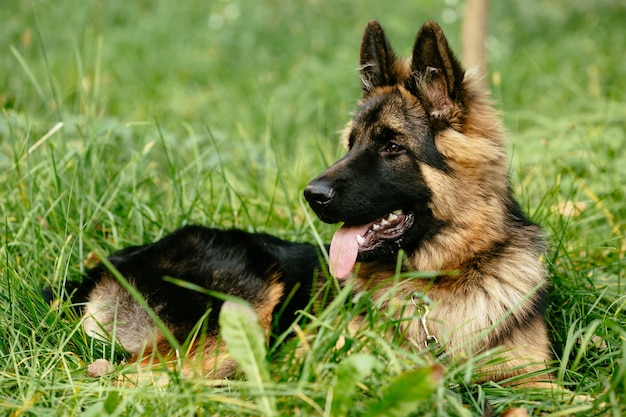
[123, 121]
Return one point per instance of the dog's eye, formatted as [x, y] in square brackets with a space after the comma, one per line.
[392, 147]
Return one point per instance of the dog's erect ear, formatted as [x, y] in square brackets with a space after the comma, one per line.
[437, 74]
[377, 59]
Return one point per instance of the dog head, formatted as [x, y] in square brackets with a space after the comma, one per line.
[409, 146]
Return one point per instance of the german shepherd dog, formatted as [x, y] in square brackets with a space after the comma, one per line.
[425, 173]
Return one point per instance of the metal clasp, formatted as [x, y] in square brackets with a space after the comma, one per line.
[421, 302]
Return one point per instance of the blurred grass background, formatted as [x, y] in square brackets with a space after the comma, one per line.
[220, 112]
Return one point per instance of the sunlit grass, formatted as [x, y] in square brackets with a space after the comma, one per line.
[123, 121]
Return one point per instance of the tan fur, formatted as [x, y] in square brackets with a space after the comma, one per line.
[207, 356]
[211, 358]
[272, 296]
[106, 303]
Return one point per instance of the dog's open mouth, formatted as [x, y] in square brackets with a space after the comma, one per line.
[350, 241]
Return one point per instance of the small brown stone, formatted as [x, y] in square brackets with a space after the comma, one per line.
[99, 368]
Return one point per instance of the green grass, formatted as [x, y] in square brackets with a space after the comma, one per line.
[219, 113]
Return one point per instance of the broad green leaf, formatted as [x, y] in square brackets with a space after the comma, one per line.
[407, 392]
[245, 341]
[349, 373]
[112, 402]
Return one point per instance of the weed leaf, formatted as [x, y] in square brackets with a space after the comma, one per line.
[407, 392]
[245, 341]
[349, 373]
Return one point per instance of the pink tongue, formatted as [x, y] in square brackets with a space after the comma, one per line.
[344, 249]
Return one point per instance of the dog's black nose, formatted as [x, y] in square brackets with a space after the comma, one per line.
[319, 193]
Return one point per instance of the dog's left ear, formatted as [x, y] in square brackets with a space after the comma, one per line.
[437, 76]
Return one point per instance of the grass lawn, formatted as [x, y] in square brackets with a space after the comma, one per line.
[122, 121]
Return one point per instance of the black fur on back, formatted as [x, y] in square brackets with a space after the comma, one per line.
[231, 262]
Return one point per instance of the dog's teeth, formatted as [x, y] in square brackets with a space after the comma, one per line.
[360, 240]
[384, 222]
[397, 212]
[376, 227]
[391, 217]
